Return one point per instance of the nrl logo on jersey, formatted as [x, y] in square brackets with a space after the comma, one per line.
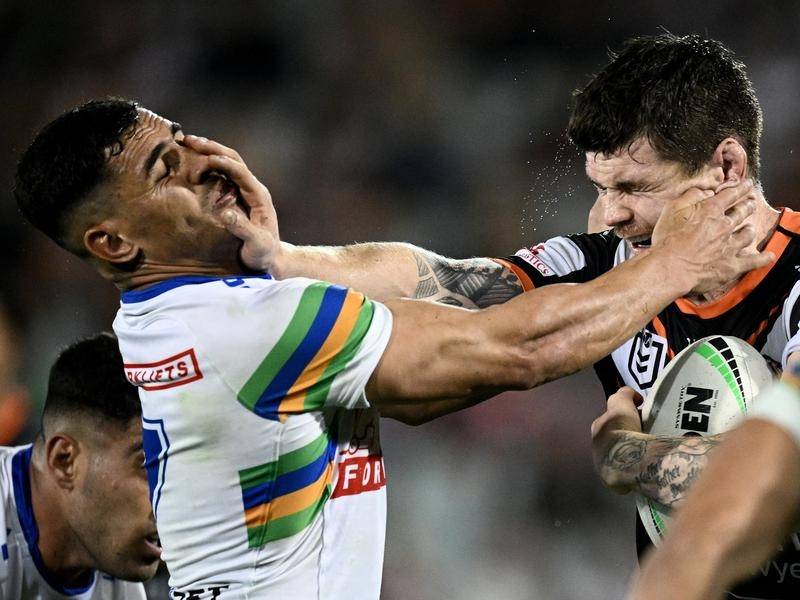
[646, 358]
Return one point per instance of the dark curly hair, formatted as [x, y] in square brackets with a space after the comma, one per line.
[67, 160]
[683, 94]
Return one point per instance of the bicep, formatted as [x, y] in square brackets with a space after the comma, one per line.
[438, 353]
[424, 412]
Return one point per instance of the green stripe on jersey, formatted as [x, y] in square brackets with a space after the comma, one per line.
[318, 394]
[295, 332]
[291, 461]
[286, 526]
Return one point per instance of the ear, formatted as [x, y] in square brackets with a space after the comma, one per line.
[731, 156]
[61, 456]
[104, 241]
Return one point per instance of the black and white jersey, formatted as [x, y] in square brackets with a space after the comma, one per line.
[23, 574]
[761, 308]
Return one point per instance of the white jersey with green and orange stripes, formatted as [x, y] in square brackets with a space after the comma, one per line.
[262, 452]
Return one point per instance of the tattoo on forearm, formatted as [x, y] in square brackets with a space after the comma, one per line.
[663, 469]
[471, 283]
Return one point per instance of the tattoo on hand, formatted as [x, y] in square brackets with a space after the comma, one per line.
[470, 283]
[662, 468]
[626, 454]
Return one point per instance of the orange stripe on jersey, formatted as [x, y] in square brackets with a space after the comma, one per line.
[290, 503]
[777, 244]
[296, 396]
[763, 325]
[790, 220]
[527, 283]
[662, 331]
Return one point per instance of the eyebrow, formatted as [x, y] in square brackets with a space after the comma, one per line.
[155, 153]
[622, 185]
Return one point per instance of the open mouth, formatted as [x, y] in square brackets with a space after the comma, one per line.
[226, 194]
[640, 244]
[153, 544]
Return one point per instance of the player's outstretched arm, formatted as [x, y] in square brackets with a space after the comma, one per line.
[381, 270]
[388, 270]
[440, 352]
[660, 467]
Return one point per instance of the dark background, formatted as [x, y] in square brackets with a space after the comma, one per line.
[435, 123]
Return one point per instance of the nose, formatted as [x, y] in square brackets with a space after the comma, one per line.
[196, 166]
[615, 210]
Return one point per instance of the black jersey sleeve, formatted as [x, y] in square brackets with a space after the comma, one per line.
[568, 259]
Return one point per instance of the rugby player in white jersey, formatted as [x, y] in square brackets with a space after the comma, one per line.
[260, 397]
[75, 502]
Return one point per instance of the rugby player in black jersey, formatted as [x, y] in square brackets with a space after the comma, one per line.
[667, 114]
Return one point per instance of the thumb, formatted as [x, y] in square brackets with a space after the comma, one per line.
[625, 398]
[238, 224]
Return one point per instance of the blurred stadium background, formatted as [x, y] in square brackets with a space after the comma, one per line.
[436, 123]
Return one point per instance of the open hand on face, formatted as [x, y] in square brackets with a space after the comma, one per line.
[255, 223]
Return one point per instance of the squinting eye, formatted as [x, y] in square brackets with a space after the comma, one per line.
[167, 173]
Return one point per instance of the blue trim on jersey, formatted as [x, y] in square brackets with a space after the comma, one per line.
[325, 319]
[20, 474]
[155, 444]
[289, 482]
[159, 288]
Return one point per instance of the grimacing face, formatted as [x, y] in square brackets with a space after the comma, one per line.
[166, 198]
[110, 512]
[634, 184]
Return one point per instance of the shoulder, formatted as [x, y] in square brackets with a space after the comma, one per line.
[7, 454]
[570, 258]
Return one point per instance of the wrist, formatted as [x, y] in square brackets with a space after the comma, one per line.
[672, 271]
[615, 460]
[279, 263]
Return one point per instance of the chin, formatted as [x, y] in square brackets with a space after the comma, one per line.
[135, 572]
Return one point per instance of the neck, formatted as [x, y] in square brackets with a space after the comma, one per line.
[62, 553]
[764, 220]
[148, 273]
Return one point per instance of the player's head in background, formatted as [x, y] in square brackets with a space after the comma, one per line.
[666, 114]
[87, 472]
[114, 184]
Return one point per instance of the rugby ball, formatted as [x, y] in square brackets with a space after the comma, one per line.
[706, 389]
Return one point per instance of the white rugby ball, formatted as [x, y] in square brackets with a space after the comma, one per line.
[705, 390]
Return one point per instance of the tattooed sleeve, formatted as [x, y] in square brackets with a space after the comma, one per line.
[470, 283]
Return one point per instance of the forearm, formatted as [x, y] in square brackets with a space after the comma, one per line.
[725, 531]
[658, 467]
[561, 329]
[387, 270]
